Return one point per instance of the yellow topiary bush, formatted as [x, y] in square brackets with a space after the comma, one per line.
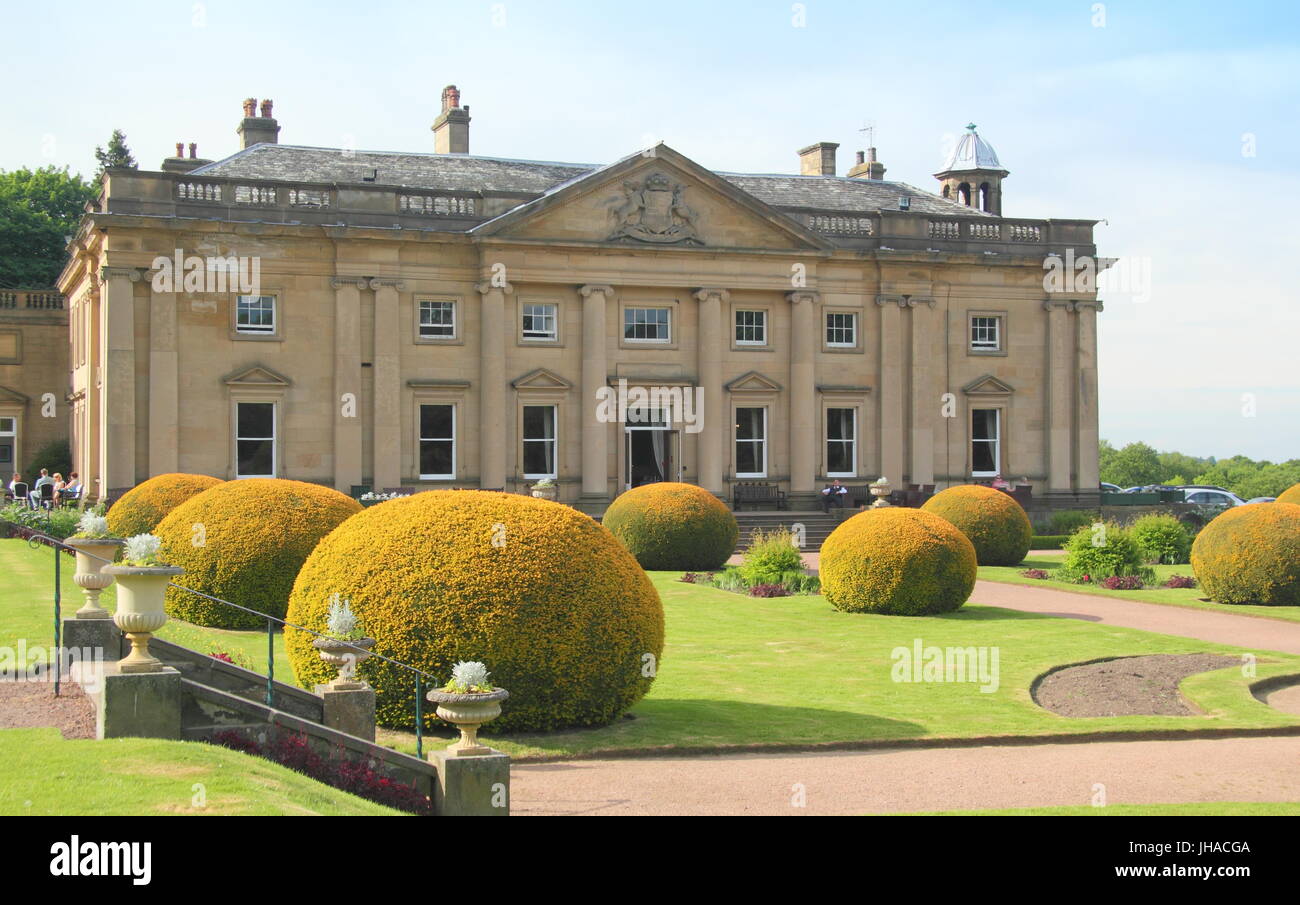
[993, 521]
[557, 609]
[1290, 495]
[146, 504]
[244, 541]
[669, 525]
[898, 562]
[1251, 554]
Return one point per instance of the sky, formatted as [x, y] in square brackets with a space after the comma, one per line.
[1177, 125]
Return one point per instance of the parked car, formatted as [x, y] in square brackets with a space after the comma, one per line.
[1213, 497]
[1111, 488]
[1262, 499]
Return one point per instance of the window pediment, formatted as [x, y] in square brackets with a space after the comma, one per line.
[258, 377]
[753, 382]
[541, 379]
[988, 386]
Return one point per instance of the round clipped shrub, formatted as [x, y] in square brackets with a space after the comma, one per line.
[669, 525]
[553, 605]
[146, 504]
[993, 521]
[1290, 495]
[900, 562]
[1251, 554]
[244, 541]
[1162, 539]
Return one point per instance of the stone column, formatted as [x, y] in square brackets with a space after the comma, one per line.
[924, 400]
[388, 384]
[492, 383]
[347, 381]
[1086, 427]
[164, 411]
[595, 375]
[1060, 379]
[711, 343]
[803, 391]
[891, 388]
[117, 401]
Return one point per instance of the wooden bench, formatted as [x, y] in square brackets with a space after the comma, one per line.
[757, 493]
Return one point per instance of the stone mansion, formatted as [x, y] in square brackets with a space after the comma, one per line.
[441, 319]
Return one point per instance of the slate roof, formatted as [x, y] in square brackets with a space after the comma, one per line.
[463, 172]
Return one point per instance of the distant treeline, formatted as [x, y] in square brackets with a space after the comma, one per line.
[1139, 464]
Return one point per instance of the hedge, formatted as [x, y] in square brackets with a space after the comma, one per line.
[144, 506]
[244, 541]
[895, 561]
[1251, 554]
[1048, 541]
[669, 525]
[549, 600]
[993, 521]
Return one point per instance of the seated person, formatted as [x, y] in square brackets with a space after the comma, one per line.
[834, 494]
[17, 479]
[58, 487]
[72, 490]
[1001, 483]
[35, 495]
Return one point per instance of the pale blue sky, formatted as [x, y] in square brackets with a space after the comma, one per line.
[1141, 121]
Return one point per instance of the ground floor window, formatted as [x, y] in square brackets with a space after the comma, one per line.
[255, 440]
[841, 442]
[539, 441]
[437, 442]
[8, 445]
[986, 442]
[751, 442]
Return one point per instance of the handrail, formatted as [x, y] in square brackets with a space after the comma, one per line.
[36, 539]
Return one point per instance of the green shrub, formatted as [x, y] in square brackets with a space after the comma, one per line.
[770, 555]
[993, 521]
[669, 525]
[1048, 541]
[799, 582]
[56, 458]
[1162, 539]
[1069, 521]
[1251, 554]
[1101, 550]
[56, 523]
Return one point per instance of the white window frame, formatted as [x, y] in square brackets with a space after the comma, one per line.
[258, 329]
[996, 443]
[274, 438]
[554, 440]
[534, 336]
[852, 442]
[983, 345]
[454, 326]
[759, 325]
[11, 435]
[629, 320]
[762, 442]
[853, 320]
[420, 440]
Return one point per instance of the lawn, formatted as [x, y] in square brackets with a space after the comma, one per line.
[46, 774]
[1193, 809]
[1190, 597]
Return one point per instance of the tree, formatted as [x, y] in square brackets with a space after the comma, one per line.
[39, 212]
[1135, 464]
[117, 155]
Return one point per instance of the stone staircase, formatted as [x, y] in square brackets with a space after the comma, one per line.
[817, 525]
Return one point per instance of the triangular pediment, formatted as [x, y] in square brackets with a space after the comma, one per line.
[541, 379]
[12, 397]
[753, 382]
[256, 376]
[656, 198]
[988, 385]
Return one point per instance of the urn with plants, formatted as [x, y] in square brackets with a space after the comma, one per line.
[467, 702]
[142, 579]
[95, 548]
[345, 644]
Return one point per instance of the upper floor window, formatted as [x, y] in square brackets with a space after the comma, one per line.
[985, 333]
[255, 314]
[649, 325]
[8, 441]
[841, 329]
[540, 322]
[751, 328]
[437, 319]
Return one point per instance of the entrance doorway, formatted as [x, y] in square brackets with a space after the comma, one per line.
[649, 452]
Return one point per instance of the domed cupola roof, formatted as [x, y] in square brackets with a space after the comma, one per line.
[972, 153]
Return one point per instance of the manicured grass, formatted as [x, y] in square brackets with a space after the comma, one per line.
[27, 605]
[46, 774]
[1194, 809]
[1190, 597]
[792, 670]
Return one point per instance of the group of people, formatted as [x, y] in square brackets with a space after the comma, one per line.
[63, 490]
[836, 494]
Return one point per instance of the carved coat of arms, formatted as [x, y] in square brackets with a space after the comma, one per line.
[653, 211]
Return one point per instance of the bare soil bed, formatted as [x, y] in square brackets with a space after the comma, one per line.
[31, 705]
[1129, 686]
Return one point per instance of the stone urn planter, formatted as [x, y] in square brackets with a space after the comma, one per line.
[93, 553]
[467, 712]
[344, 656]
[546, 493]
[880, 490]
[141, 591]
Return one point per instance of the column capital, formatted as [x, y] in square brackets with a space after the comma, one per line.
[486, 286]
[107, 273]
[911, 301]
[1064, 304]
[590, 288]
[378, 283]
[344, 282]
[703, 295]
[811, 296]
[1094, 304]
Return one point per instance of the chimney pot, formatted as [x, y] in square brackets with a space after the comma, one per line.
[266, 109]
[451, 128]
[255, 129]
[194, 149]
[250, 107]
[180, 149]
[862, 157]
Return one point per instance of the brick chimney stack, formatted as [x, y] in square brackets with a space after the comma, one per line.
[867, 166]
[818, 159]
[254, 129]
[182, 164]
[451, 128]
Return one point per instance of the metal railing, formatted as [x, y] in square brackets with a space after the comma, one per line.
[35, 540]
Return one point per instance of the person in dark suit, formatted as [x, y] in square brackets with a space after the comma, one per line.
[834, 494]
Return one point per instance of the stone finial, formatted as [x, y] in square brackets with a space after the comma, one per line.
[266, 109]
[450, 98]
[250, 107]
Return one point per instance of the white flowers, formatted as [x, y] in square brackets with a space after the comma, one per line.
[342, 622]
[468, 675]
[142, 550]
[371, 495]
[92, 525]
